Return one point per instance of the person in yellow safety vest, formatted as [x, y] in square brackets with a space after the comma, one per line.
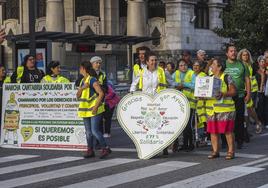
[151, 80]
[200, 106]
[245, 56]
[53, 74]
[186, 82]
[221, 111]
[96, 63]
[27, 72]
[140, 62]
[90, 97]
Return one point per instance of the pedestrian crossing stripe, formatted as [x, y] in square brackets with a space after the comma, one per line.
[133, 175]
[264, 186]
[37, 164]
[204, 180]
[35, 178]
[214, 178]
[16, 157]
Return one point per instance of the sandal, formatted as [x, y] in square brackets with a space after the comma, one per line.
[214, 155]
[258, 128]
[230, 155]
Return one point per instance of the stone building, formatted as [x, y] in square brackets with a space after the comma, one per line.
[181, 24]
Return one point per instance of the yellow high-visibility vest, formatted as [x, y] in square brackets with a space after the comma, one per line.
[102, 77]
[59, 79]
[189, 93]
[253, 80]
[87, 102]
[162, 83]
[7, 79]
[220, 106]
[20, 70]
[201, 106]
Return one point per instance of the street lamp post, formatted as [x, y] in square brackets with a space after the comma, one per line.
[32, 16]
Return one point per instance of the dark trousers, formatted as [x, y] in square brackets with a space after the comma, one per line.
[107, 118]
[239, 119]
[188, 132]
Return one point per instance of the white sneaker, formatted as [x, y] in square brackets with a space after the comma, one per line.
[106, 135]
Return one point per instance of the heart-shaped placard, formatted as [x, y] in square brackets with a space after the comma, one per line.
[26, 133]
[163, 118]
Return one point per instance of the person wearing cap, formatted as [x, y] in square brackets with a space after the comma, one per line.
[96, 62]
[27, 72]
[221, 111]
[186, 56]
[201, 58]
[53, 74]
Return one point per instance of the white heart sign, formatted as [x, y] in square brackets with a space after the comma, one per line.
[153, 122]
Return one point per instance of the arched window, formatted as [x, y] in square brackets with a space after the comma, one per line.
[87, 7]
[156, 8]
[202, 15]
[122, 8]
[12, 9]
[41, 8]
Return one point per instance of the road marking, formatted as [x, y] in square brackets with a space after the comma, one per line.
[243, 155]
[266, 134]
[254, 162]
[63, 172]
[261, 165]
[16, 157]
[214, 178]
[133, 175]
[37, 164]
[124, 149]
[264, 186]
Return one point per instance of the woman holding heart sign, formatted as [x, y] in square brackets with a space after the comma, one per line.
[151, 80]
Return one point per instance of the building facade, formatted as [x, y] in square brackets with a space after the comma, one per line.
[181, 24]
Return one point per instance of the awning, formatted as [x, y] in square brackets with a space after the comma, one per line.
[80, 38]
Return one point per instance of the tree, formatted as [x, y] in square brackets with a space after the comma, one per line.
[246, 24]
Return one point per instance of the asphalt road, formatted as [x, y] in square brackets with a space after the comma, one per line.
[50, 168]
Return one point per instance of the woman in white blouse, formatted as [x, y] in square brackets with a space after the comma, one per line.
[152, 79]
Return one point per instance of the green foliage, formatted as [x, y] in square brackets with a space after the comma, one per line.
[246, 23]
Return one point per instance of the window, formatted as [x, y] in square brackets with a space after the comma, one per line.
[156, 33]
[156, 8]
[122, 8]
[12, 9]
[41, 8]
[87, 7]
[202, 15]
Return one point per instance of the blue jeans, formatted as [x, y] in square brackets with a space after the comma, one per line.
[93, 130]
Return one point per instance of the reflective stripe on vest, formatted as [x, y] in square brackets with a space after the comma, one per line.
[161, 80]
[189, 93]
[87, 103]
[59, 79]
[226, 105]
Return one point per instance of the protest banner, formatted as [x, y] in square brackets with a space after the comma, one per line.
[41, 116]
